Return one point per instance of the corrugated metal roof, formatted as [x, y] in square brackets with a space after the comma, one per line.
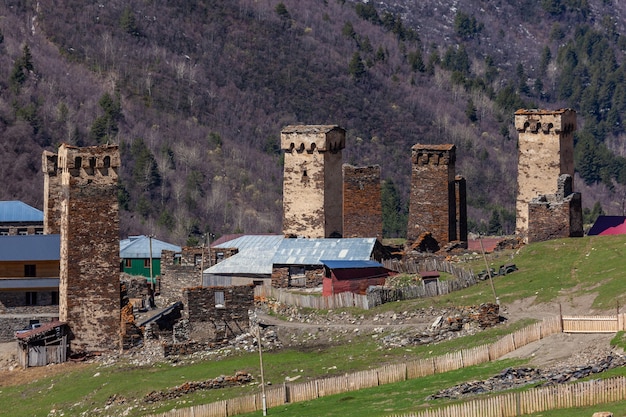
[138, 247]
[16, 211]
[254, 257]
[258, 253]
[351, 264]
[246, 242]
[311, 251]
[30, 248]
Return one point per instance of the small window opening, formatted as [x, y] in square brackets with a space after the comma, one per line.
[219, 299]
[31, 298]
[30, 270]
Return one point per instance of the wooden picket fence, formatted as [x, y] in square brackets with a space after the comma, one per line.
[582, 394]
[341, 300]
[513, 404]
[378, 295]
[594, 324]
[305, 391]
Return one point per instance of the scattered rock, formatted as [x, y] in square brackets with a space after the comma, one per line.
[240, 378]
[516, 377]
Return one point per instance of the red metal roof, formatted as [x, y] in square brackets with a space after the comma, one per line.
[489, 243]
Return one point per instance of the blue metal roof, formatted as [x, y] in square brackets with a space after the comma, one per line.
[30, 283]
[351, 264]
[16, 211]
[138, 247]
[311, 251]
[30, 248]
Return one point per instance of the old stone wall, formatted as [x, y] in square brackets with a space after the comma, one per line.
[312, 185]
[432, 206]
[362, 206]
[555, 216]
[218, 313]
[21, 229]
[10, 324]
[219, 254]
[180, 270]
[546, 150]
[89, 291]
[460, 191]
[14, 299]
[313, 276]
[51, 194]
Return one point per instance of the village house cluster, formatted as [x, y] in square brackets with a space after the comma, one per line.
[62, 266]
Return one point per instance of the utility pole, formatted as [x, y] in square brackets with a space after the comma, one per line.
[493, 289]
[151, 298]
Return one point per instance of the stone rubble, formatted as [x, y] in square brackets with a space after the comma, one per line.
[516, 377]
[240, 378]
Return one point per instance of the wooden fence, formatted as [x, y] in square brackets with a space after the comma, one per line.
[594, 324]
[344, 299]
[582, 394]
[378, 295]
[305, 391]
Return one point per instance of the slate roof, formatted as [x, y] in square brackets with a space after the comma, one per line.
[30, 248]
[138, 247]
[16, 212]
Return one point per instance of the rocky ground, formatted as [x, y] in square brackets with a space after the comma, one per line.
[295, 328]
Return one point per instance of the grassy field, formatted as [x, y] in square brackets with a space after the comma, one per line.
[569, 268]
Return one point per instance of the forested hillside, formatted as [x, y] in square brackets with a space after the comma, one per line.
[196, 93]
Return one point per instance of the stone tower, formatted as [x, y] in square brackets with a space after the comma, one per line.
[558, 215]
[312, 186]
[546, 150]
[51, 193]
[89, 289]
[362, 205]
[433, 199]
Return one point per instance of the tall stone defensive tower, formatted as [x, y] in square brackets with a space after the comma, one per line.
[362, 205]
[546, 150]
[89, 289]
[312, 186]
[433, 203]
[51, 193]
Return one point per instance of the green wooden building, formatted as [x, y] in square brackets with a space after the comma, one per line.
[136, 252]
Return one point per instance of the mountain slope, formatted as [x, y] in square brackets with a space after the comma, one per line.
[196, 95]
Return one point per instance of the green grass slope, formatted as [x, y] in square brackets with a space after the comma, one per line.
[548, 271]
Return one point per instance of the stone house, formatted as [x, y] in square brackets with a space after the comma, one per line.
[217, 313]
[17, 218]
